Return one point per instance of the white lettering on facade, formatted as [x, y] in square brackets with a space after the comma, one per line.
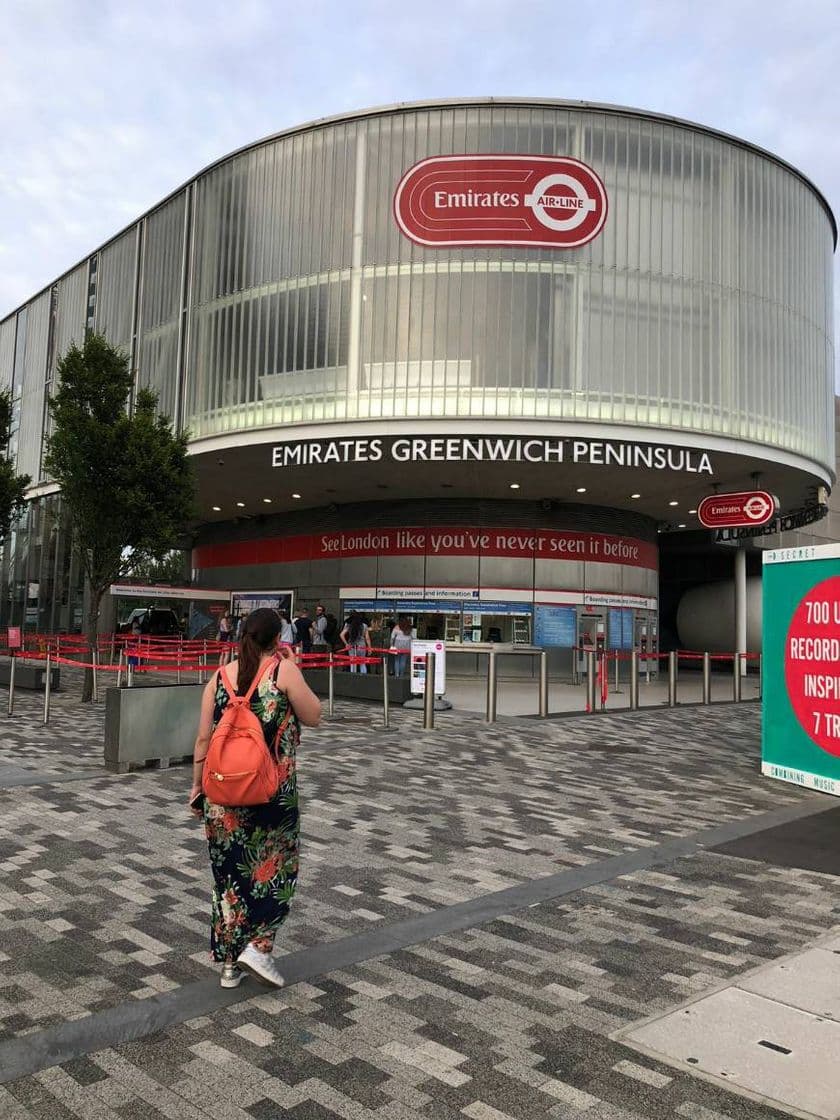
[456, 449]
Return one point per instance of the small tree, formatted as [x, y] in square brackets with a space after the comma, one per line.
[124, 476]
[12, 486]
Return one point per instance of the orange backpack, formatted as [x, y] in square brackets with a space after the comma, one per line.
[239, 768]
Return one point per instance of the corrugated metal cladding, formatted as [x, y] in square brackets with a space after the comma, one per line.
[705, 304]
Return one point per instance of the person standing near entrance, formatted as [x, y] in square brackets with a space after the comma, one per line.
[319, 630]
[254, 849]
[401, 637]
[356, 637]
[303, 630]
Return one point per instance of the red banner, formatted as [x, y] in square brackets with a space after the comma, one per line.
[552, 201]
[543, 544]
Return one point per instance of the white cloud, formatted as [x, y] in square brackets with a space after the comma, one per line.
[109, 105]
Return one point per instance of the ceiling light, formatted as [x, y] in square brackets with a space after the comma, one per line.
[295, 495]
[581, 489]
[514, 486]
[241, 505]
[217, 509]
[673, 503]
[635, 495]
[267, 501]
[692, 511]
[681, 526]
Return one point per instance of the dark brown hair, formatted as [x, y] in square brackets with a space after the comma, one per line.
[405, 625]
[259, 635]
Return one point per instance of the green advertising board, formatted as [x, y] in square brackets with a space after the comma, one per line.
[801, 666]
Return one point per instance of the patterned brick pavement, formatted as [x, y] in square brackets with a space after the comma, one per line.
[104, 898]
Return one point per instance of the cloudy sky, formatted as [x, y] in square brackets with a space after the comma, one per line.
[108, 106]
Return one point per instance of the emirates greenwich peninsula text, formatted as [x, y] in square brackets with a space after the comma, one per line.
[462, 449]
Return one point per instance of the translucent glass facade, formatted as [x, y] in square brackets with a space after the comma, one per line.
[276, 288]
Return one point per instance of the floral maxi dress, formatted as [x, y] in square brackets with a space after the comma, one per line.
[254, 849]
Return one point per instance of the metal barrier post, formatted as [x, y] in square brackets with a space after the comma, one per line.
[760, 677]
[94, 659]
[543, 684]
[385, 698]
[113, 648]
[604, 677]
[12, 684]
[590, 681]
[331, 682]
[120, 670]
[47, 680]
[634, 680]
[707, 679]
[672, 679]
[490, 712]
[736, 677]
[129, 676]
[429, 694]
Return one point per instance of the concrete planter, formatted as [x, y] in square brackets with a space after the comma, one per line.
[150, 726]
[30, 676]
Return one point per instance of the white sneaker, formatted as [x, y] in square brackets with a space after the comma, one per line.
[261, 965]
[231, 976]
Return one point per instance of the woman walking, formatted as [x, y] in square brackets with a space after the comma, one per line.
[254, 849]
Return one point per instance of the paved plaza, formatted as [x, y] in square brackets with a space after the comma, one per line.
[485, 913]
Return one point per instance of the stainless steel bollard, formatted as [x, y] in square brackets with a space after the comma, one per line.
[429, 694]
[672, 679]
[94, 659]
[120, 666]
[129, 676]
[736, 678]
[634, 680]
[707, 679]
[543, 684]
[492, 687]
[331, 683]
[385, 698]
[590, 681]
[11, 708]
[47, 680]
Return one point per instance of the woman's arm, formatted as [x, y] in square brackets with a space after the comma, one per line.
[202, 741]
[342, 637]
[367, 637]
[305, 704]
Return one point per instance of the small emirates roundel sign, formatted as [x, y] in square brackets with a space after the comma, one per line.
[548, 201]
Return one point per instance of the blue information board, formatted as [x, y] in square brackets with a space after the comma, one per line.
[620, 627]
[555, 626]
[489, 607]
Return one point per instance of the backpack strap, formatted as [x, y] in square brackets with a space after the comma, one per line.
[231, 691]
[287, 719]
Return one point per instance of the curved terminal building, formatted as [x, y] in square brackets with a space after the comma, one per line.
[475, 361]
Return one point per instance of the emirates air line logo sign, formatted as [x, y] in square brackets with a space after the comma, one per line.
[549, 201]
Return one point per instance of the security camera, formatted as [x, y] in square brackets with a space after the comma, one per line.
[220, 462]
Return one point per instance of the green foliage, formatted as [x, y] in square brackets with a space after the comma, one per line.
[125, 477]
[167, 569]
[12, 486]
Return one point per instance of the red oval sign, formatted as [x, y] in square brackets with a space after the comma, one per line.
[731, 511]
[549, 201]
